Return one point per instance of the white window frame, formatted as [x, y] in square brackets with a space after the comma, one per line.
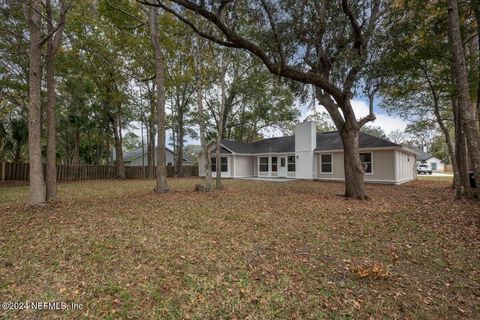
[321, 162]
[371, 162]
[211, 163]
[271, 163]
[295, 163]
[268, 164]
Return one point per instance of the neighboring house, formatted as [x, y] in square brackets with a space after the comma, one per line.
[312, 155]
[134, 158]
[434, 163]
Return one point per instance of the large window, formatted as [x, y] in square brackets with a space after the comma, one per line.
[291, 163]
[223, 164]
[274, 164]
[326, 165]
[366, 158]
[263, 167]
[433, 165]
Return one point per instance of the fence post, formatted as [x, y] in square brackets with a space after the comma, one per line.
[2, 171]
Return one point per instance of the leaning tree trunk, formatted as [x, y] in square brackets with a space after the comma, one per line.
[451, 153]
[354, 169]
[201, 114]
[466, 110]
[161, 180]
[36, 194]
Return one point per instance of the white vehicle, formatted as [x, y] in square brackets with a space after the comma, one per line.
[424, 168]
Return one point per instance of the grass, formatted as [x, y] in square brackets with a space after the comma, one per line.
[255, 250]
[435, 178]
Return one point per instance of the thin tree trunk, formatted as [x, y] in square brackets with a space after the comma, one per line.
[180, 136]
[161, 180]
[76, 147]
[218, 178]
[451, 153]
[466, 110]
[53, 45]
[201, 115]
[117, 134]
[36, 194]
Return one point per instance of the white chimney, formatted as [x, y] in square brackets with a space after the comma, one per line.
[305, 144]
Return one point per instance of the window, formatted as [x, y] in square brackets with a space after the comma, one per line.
[433, 165]
[169, 163]
[274, 164]
[366, 158]
[282, 162]
[291, 164]
[223, 164]
[326, 163]
[263, 164]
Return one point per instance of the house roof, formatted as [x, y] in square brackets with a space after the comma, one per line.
[137, 153]
[422, 155]
[325, 141]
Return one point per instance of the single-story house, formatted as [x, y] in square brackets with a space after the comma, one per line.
[434, 163]
[134, 158]
[312, 155]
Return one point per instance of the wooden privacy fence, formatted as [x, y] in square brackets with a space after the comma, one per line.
[20, 171]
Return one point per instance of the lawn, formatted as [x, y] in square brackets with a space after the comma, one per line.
[255, 250]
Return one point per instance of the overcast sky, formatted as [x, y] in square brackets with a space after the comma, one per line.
[386, 122]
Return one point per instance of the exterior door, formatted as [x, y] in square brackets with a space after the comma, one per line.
[282, 170]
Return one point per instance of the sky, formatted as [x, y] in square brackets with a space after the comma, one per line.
[387, 122]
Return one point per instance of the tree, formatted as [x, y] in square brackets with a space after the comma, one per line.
[466, 111]
[161, 179]
[53, 44]
[331, 38]
[397, 136]
[374, 131]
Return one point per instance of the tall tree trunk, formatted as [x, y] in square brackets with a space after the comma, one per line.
[201, 115]
[459, 190]
[76, 147]
[476, 10]
[53, 44]
[18, 152]
[161, 181]
[218, 178]
[36, 194]
[461, 150]
[349, 129]
[354, 169]
[466, 110]
[180, 136]
[117, 134]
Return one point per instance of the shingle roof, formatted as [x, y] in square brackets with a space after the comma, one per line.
[129, 156]
[333, 141]
[325, 141]
[423, 156]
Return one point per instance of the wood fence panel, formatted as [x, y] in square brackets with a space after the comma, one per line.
[20, 171]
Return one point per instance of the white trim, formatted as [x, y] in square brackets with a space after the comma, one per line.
[271, 164]
[320, 156]
[369, 180]
[371, 162]
[268, 165]
[294, 157]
